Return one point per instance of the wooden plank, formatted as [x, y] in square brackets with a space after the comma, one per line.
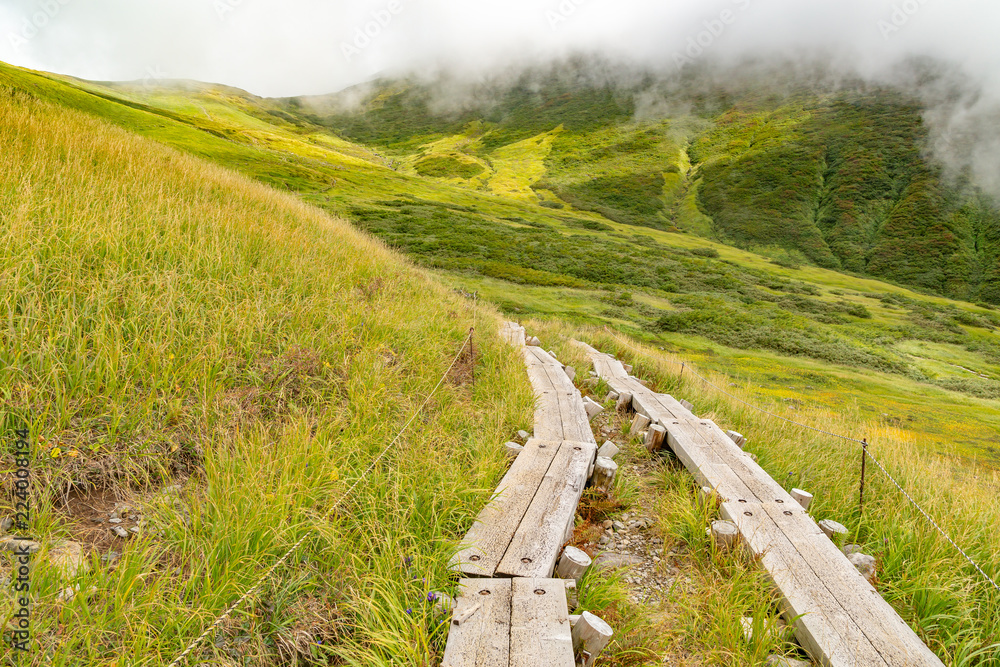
[842, 621]
[540, 633]
[513, 333]
[482, 639]
[496, 524]
[823, 627]
[536, 544]
[575, 423]
[895, 641]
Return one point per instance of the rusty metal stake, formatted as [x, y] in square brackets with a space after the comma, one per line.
[864, 458]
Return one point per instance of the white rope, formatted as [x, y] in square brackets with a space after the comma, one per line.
[260, 582]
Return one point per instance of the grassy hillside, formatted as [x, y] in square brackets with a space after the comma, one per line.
[493, 220]
[166, 322]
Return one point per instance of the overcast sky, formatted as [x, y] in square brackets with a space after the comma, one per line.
[293, 47]
[300, 47]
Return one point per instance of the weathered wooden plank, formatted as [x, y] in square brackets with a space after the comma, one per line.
[535, 546]
[823, 627]
[575, 423]
[842, 621]
[540, 633]
[889, 634]
[513, 333]
[491, 534]
[483, 637]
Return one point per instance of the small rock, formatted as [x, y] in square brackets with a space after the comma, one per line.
[618, 525]
[120, 532]
[115, 520]
[608, 523]
[67, 557]
[747, 624]
[135, 530]
[523, 435]
[110, 557]
[604, 540]
[864, 563]
[6, 524]
[781, 661]
[851, 549]
[10, 544]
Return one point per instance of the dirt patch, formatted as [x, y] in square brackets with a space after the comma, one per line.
[87, 514]
[463, 372]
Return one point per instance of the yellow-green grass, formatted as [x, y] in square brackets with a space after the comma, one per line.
[164, 320]
[952, 607]
[521, 164]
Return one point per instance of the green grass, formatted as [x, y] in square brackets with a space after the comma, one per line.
[167, 321]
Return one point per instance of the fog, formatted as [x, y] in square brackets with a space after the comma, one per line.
[301, 47]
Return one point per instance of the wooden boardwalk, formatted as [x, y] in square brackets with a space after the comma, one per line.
[516, 613]
[839, 618]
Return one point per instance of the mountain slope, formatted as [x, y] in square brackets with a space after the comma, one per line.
[164, 321]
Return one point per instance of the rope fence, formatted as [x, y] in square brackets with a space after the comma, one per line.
[271, 570]
[865, 453]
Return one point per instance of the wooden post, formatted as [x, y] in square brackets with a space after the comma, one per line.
[570, 372]
[736, 437]
[533, 342]
[687, 405]
[654, 437]
[803, 498]
[604, 474]
[612, 396]
[590, 636]
[639, 423]
[725, 533]
[704, 496]
[573, 563]
[608, 450]
[592, 407]
[627, 367]
[624, 401]
[832, 528]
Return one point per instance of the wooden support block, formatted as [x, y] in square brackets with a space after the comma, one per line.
[686, 405]
[725, 534]
[624, 402]
[608, 450]
[736, 437]
[627, 367]
[533, 342]
[590, 636]
[803, 498]
[592, 407]
[639, 423]
[573, 563]
[482, 637]
[512, 449]
[540, 632]
[552, 354]
[832, 528]
[604, 474]
[612, 396]
[570, 372]
[574, 619]
[572, 599]
[655, 437]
